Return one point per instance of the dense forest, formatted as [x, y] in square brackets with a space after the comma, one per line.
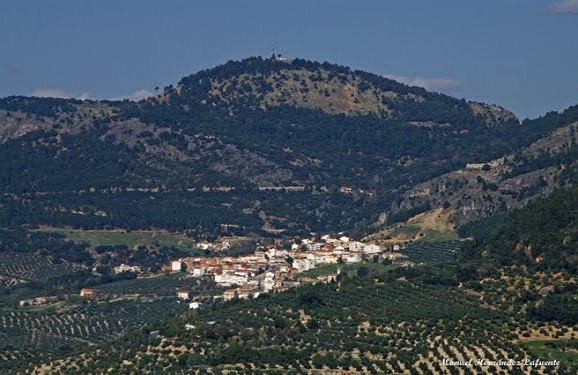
[516, 240]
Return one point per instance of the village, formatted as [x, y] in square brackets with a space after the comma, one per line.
[272, 269]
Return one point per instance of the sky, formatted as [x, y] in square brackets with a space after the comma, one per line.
[520, 54]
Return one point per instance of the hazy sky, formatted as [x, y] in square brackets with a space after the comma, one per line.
[521, 54]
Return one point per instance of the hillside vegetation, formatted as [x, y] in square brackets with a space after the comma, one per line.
[262, 146]
[480, 190]
[543, 235]
[369, 324]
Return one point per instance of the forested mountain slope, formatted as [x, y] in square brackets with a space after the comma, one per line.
[480, 190]
[543, 235]
[246, 147]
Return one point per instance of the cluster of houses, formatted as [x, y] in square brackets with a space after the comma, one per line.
[271, 269]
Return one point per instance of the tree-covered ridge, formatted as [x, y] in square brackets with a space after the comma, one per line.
[204, 157]
[543, 235]
[264, 83]
[44, 107]
[538, 242]
[483, 189]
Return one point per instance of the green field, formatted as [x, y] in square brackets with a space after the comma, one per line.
[349, 269]
[564, 351]
[432, 252]
[130, 239]
[431, 235]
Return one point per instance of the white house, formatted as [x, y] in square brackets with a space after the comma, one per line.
[331, 258]
[371, 249]
[247, 293]
[314, 246]
[302, 265]
[176, 265]
[392, 256]
[269, 283]
[25, 302]
[356, 246]
[277, 253]
[344, 239]
[353, 257]
[126, 268]
[239, 278]
[316, 258]
[199, 271]
[87, 292]
[229, 294]
[194, 305]
[183, 294]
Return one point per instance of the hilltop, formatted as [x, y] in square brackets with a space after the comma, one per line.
[334, 89]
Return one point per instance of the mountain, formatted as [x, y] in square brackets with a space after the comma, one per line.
[251, 146]
[262, 84]
[481, 190]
